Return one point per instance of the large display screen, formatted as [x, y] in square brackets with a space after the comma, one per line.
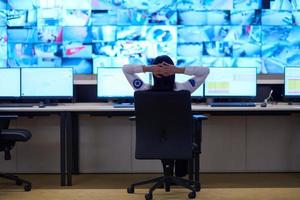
[47, 82]
[292, 82]
[88, 34]
[10, 83]
[231, 82]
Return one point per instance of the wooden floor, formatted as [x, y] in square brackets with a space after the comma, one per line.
[261, 186]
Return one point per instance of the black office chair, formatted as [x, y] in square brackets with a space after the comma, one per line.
[165, 130]
[8, 138]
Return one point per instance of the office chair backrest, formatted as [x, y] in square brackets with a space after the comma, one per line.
[164, 125]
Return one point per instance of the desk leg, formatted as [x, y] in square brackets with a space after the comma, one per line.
[75, 145]
[69, 148]
[62, 149]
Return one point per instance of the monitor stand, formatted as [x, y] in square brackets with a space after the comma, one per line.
[47, 102]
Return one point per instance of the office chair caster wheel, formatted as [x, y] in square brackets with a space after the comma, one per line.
[27, 188]
[130, 190]
[148, 196]
[167, 187]
[192, 195]
[19, 182]
[197, 187]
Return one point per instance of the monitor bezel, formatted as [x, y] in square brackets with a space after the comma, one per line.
[49, 97]
[12, 97]
[194, 97]
[233, 96]
[288, 97]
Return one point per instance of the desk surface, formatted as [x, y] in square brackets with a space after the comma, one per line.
[107, 107]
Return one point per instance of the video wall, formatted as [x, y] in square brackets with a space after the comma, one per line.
[88, 34]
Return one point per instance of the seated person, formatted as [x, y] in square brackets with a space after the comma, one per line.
[164, 71]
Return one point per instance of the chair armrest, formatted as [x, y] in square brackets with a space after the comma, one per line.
[8, 117]
[132, 118]
[199, 117]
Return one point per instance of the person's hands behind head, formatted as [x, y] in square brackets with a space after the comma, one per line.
[163, 69]
[157, 70]
[168, 69]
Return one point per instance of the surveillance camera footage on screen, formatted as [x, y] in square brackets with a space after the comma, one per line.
[91, 34]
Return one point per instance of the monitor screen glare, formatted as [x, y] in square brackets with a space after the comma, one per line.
[9, 83]
[112, 83]
[47, 82]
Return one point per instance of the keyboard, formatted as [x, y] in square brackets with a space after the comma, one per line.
[123, 105]
[16, 105]
[232, 104]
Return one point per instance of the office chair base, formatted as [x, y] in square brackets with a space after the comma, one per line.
[166, 181]
[148, 196]
[192, 195]
[19, 181]
[197, 187]
[130, 190]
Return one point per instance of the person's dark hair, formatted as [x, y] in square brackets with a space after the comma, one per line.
[165, 83]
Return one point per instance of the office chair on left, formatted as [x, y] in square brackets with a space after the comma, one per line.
[8, 139]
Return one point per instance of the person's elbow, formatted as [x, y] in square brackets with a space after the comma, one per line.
[208, 70]
[205, 71]
[126, 68]
[132, 69]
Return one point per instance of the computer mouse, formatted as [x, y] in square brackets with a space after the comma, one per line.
[41, 105]
[263, 104]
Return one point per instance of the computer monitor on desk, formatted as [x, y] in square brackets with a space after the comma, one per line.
[113, 85]
[231, 82]
[47, 83]
[292, 82]
[10, 82]
[199, 93]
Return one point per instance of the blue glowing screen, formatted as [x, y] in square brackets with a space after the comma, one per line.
[88, 34]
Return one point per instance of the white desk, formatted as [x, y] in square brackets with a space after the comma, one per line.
[69, 136]
[107, 107]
